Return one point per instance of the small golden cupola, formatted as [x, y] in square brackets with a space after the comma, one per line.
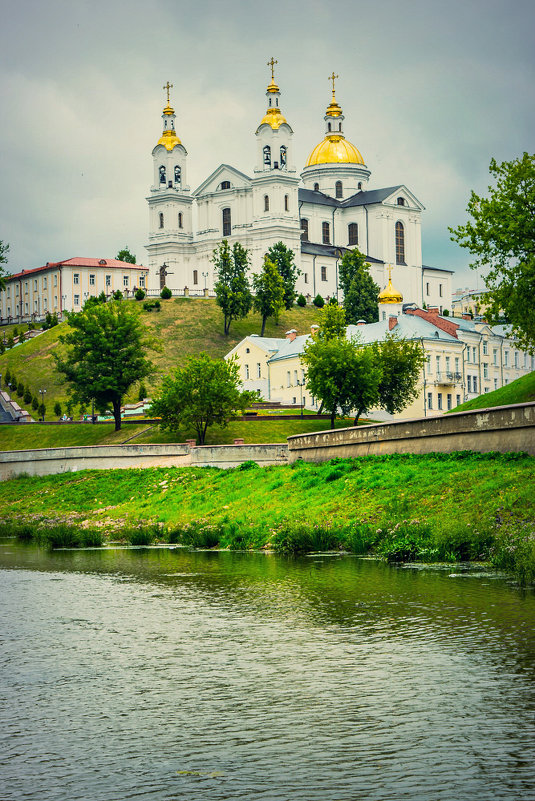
[390, 301]
[273, 116]
[169, 138]
[335, 148]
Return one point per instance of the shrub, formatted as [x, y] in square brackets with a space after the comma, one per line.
[117, 295]
[27, 396]
[301, 301]
[2, 347]
[407, 541]
[250, 464]
[35, 403]
[446, 313]
[166, 293]
[140, 294]
[10, 342]
[42, 410]
[20, 389]
[58, 411]
[140, 536]
[333, 301]
[149, 305]
[7, 377]
[15, 332]
[142, 394]
[318, 302]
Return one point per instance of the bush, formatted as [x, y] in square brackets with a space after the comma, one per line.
[117, 295]
[301, 301]
[333, 301]
[27, 396]
[149, 305]
[446, 313]
[7, 377]
[20, 389]
[142, 394]
[15, 332]
[35, 403]
[140, 294]
[166, 293]
[58, 411]
[318, 302]
[140, 536]
[10, 342]
[2, 347]
[42, 410]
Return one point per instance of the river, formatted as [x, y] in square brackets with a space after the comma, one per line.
[159, 673]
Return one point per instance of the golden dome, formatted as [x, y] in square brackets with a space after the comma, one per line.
[273, 117]
[390, 295]
[168, 110]
[273, 87]
[334, 149]
[169, 139]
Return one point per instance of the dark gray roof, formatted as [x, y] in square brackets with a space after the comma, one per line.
[318, 249]
[309, 196]
[437, 269]
[360, 199]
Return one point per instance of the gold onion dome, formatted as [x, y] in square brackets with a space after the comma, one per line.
[169, 139]
[335, 149]
[273, 115]
[390, 295]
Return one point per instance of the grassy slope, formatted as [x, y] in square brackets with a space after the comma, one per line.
[520, 391]
[183, 327]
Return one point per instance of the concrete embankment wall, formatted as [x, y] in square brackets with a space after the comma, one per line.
[47, 461]
[503, 429]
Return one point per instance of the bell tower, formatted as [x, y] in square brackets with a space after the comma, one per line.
[170, 204]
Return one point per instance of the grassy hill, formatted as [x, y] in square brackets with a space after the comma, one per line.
[520, 391]
[184, 326]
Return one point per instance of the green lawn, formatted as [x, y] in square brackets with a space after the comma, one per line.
[183, 327]
[520, 391]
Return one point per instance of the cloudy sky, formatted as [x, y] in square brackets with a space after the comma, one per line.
[430, 89]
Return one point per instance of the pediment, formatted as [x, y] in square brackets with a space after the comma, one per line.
[411, 201]
[224, 173]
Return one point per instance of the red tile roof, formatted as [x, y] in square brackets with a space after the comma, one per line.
[433, 317]
[78, 261]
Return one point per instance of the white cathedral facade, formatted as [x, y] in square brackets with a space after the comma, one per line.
[330, 207]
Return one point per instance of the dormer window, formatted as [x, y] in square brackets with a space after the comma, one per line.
[401, 201]
[225, 185]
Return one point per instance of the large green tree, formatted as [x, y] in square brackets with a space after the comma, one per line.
[401, 362]
[332, 322]
[125, 255]
[4, 250]
[203, 392]
[361, 293]
[105, 355]
[284, 258]
[501, 238]
[268, 288]
[233, 294]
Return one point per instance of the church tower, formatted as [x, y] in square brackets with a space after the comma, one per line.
[170, 207]
[275, 182]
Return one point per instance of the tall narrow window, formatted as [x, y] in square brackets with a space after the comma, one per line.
[286, 203]
[316, 187]
[326, 232]
[338, 189]
[161, 219]
[178, 175]
[283, 154]
[329, 126]
[162, 175]
[400, 243]
[266, 202]
[267, 155]
[359, 185]
[227, 227]
[195, 277]
[324, 273]
[353, 234]
[180, 219]
[304, 230]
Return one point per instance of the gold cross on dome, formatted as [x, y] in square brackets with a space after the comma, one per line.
[272, 65]
[168, 86]
[332, 78]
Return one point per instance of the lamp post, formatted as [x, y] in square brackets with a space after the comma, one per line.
[205, 276]
[42, 393]
[300, 385]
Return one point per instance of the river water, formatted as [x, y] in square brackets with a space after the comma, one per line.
[158, 673]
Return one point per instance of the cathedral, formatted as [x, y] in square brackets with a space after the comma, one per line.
[331, 206]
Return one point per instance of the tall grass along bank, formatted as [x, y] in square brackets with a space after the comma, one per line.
[461, 506]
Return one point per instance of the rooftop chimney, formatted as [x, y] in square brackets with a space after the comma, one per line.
[467, 316]
[291, 334]
[361, 322]
[392, 322]
[432, 309]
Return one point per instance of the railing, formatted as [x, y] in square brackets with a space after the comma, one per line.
[448, 378]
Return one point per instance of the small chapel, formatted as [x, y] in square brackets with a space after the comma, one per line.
[329, 207]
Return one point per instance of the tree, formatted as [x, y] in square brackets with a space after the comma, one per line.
[105, 355]
[203, 392]
[284, 260]
[125, 255]
[166, 293]
[501, 237]
[4, 250]
[332, 322]
[342, 375]
[139, 294]
[401, 361]
[232, 291]
[361, 293]
[318, 302]
[42, 411]
[268, 288]
[57, 409]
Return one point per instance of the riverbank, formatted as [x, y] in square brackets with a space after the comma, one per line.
[441, 507]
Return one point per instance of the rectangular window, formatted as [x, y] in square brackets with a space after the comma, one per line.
[440, 290]
[495, 383]
[324, 273]
[108, 280]
[487, 389]
[428, 361]
[495, 356]
[474, 382]
[457, 400]
[326, 233]
[295, 378]
[439, 401]
[35, 284]
[45, 303]
[516, 358]
[35, 305]
[91, 279]
[55, 279]
[448, 401]
[125, 280]
[474, 355]
[306, 278]
[447, 364]
[427, 288]
[195, 276]
[437, 360]
[26, 308]
[77, 300]
[227, 225]
[485, 370]
[258, 370]
[44, 282]
[469, 383]
[304, 230]
[485, 347]
[142, 281]
[506, 358]
[353, 234]
[429, 400]
[456, 364]
[55, 301]
[76, 278]
[288, 378]
[246, 366]
[25, 287]
[9, 291]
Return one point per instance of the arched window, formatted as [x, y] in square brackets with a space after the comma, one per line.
[339, 126]
[283, 156]
[286, 203]
[324, 273]
[162, 174]
[161, 219]
[195, 277]
[316, 187]
[338, 189]
[180, 219]
[329, 126]
[401, 201]
[177, 175]
[353, 234]
[225, 185]
[304, 230]
[227, 226]
[359, 186]
[267, 155]
[266, 202]
[400, 243]
[326, 231]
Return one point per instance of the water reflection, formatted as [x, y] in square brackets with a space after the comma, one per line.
[165, 674]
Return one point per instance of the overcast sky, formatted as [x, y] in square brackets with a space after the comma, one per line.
[430, 89]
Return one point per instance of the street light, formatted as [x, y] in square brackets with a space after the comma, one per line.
[42, 393]
[300, 385]
[205, 276]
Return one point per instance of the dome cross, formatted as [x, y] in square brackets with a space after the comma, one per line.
[332, 78]
[271, 64]
[167, 86]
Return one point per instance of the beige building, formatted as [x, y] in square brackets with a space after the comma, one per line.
[65, 286]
